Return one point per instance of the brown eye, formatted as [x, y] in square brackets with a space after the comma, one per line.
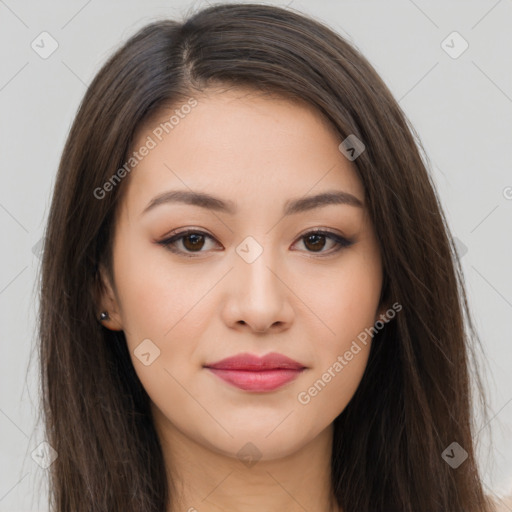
[193, 242]
[314, 242]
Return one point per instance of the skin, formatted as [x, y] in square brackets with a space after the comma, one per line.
[258, 152]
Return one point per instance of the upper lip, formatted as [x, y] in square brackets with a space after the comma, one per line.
[245, 361]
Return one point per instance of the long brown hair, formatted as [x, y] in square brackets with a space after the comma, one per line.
[415, 398]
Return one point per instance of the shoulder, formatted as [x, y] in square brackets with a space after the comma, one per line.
[503, 504]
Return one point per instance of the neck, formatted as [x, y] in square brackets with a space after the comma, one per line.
[204, 480]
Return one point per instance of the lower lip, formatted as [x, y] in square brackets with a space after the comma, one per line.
[266, 380]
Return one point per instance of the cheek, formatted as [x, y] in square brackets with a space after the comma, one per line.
[161, 317]
[165, 304]
[344, 301]
[155, 296]
[331, 388]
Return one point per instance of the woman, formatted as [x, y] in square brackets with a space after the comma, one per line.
[250, 297]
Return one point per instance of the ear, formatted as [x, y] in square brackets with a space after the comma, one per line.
[381, 312]
[384, 303]
[107, 301]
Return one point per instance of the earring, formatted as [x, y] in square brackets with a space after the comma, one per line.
[104, 316]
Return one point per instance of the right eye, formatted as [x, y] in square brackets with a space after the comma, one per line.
[192, 240]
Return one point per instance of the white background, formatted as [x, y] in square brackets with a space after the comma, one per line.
[461, 108]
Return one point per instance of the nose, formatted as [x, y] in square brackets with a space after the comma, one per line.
[258, 296]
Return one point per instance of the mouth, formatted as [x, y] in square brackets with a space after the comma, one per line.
[254, 373]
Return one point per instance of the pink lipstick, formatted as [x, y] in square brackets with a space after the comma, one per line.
[253, 373]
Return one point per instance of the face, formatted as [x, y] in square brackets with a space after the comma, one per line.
[248, 273]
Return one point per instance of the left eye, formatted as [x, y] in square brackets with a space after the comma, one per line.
[193, 241]
[316, 240]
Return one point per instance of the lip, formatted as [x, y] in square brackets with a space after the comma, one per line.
[254, 373]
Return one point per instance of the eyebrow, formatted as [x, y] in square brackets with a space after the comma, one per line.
[291, 206]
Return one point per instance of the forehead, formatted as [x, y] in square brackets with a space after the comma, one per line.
[240, 143]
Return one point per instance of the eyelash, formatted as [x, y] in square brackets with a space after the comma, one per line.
[340, 241]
